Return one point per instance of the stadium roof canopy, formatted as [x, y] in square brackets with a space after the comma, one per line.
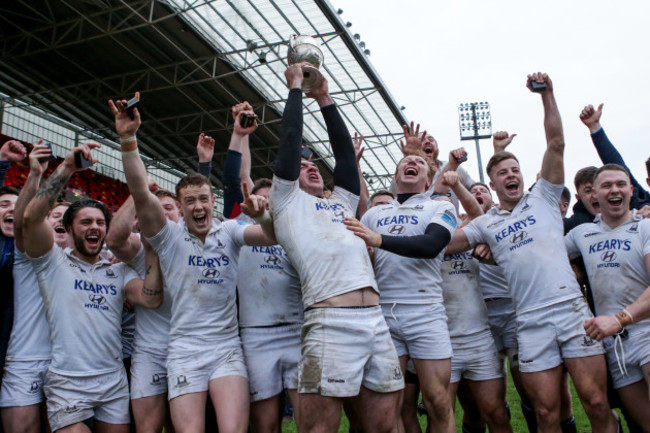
[191, 61]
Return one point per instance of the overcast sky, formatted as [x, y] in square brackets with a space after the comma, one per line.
[434, 55]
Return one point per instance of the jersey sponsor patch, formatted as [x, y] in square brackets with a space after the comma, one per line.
[449, 218]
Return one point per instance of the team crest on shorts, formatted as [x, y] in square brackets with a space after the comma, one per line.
[397, 373]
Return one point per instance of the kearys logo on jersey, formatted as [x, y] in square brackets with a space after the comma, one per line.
[210, 263]
[515, 227]
[397, 219]
[102, 289]
[458, 263]
[610, 244]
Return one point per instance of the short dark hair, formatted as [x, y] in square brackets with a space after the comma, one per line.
[75, 207]
[382, 192]
[11, 190]
[584, 175]
[615, 167]
[566, 195]
[479, 184]
[160, 193]
[497, 158]
[647, 166]
[263, 182]
[194, 179]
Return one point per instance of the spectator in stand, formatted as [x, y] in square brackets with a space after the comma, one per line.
[609, 155]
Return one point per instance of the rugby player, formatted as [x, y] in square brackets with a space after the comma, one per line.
[149, 357]
[356, 357]
[525, 236]
[409, 234]
[199, 261]
[616, 252]
[268, 289]
[29, 351]
[86, 377]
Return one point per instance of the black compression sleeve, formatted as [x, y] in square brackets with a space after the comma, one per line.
[426, 246]
[345, 173]
[287, 162]
[232, 193]
[204, 168]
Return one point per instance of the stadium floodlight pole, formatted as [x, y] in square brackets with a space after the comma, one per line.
[475, 123]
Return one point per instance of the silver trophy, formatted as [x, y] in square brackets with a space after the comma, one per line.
[303, 48]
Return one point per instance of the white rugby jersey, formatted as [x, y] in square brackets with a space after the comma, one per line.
[30, 335]
[200, 278]
[329, 258]
[493, 282]
[615, 262]
[529, 244]
[83, 306]
[403, 279]
[151, 325]
[268, 288]
[466, 311]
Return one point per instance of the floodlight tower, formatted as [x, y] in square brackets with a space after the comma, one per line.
[475, 123]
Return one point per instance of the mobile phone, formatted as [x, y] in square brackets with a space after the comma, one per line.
[49, 158]
[130, 105]
[461, 159]
[538, 87]
[81, 161]
[247, 121]
[306, 153]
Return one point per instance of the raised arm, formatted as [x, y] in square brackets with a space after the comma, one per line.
[364, 195]
[608, 154]
[471, 206]
[501, 140]
[238, 161]
[553, 162]
[28, 191]
[147, 293]
[38, 237]
[120, 239]
[150, 212]
[345, 172]
[11, 151]
[205, 151]
[287, 162]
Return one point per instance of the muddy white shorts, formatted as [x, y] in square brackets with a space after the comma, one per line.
[503, 322]
[193, 374]
[419, 330]
[345, 348]
[148, 374]
[625, 358]
[549, 334]
[22, 383]
[271, 354]
[72, 399]
[475, 357]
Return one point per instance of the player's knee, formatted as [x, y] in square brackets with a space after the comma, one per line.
[437, 404]
[547, 415]
[596, 404]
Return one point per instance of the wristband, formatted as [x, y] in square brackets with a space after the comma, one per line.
[130, 153]
[266, 217]
[626, 311]
[620, 327]
[623, 318]
[128, 144]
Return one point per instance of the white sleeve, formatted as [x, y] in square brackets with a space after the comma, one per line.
[473, 231]
[236, 229]
[445, 216]
[351, 201]
[48, 262]
[282, 193]
[163, 241]
[571, 245]
[549, 192]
